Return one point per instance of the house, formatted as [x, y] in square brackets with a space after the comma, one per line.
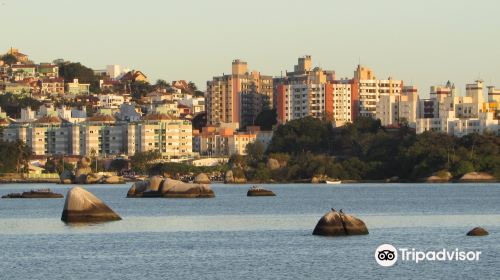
[77, 88]
[134, 76]
[51, 86]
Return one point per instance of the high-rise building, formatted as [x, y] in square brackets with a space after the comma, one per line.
[237, 97]
[370, 89]
[302, 93]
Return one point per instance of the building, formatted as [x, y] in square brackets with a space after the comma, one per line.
[77, 88]
[393, 110]
[302, 93]
[226, 100]
[103, 136]
[51, 86]
[48, 70]
[370, 89]
[225, 141]
[458, 115]
[110, 101]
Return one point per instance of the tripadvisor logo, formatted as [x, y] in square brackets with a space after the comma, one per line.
[388, 255]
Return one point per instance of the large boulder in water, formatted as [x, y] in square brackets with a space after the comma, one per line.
[258, 191]
[159, 187]
[202, 178]
[178, 189]
[81, 206]
[477, 231]
[336, 223]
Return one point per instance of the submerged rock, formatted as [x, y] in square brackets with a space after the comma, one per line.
[202, 178]
[336, 223]
[159, 187]
[477, 231]
[81, 206]
[257, 191]
[41, 193]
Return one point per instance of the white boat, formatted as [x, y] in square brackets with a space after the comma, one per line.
[333, 182]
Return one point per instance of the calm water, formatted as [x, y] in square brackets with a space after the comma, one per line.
[235, 237]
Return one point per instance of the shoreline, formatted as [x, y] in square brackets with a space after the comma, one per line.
[57, 181]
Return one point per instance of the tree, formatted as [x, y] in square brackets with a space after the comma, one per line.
[140, 89]
[9, 59]
[192, 86]
[72, 70]
[255, 152]
[199, 121]
[266, 119]
[161, 84]
[140, 160]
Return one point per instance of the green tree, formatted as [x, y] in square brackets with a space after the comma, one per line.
[9, 59]
[266, 119]
[141, 160]
[255, 152]
[75, 70]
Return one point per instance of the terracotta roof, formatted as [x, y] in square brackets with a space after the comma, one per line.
[22, 66]
[49, 119]
[156, 117]
[101, 118]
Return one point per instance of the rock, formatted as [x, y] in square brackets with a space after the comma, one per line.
[82, 170]
[273, 164]
[202, 178]
[178, 189]
[477, 177]
[137, 189]
[393, 179]
[169, 188]
[155, 183]
[93, 178]
[66, 176]
[229, 178]
[256, 191]
[335, 223]
[113, 180]
[439, 177]
[318, 179]
[82, 206]
[41, 193]
[477, 231]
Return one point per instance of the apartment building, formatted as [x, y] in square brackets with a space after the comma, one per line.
[226, 141]
[102, 135]
[226, 100]
[392, 110]
[302, 93]
[370, 89]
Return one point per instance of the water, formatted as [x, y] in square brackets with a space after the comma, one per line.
[236, 237]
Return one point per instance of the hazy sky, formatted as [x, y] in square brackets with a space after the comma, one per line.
[421, 42]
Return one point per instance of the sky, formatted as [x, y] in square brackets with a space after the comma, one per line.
[420, 42]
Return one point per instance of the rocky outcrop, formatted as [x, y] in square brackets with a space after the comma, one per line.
[477, 231]
[84, 175]
[257, 191]
[336, 223]
[230, 178]
[42, 193]
[477, 177]
[202, 178]
[66, 176]
[319, 179]
[439, 177]
[169, 188]
[81, 206]
[273, 164]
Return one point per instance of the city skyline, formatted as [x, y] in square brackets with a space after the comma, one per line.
[198, 40]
